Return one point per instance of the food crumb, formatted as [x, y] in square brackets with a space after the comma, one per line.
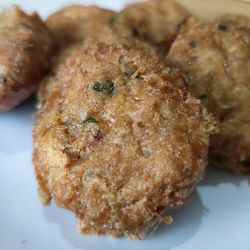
[168, 219]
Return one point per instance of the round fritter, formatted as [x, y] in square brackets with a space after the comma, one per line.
[155, 21]
[69, 28]
[24, 51]
[74, 23]
[117, 141]
[215, 58]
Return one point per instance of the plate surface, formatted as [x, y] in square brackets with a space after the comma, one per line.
[217, 218]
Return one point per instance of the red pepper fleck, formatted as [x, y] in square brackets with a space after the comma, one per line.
[98, 135]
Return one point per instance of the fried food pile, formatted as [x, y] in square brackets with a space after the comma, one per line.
[134, 106]
[25, 46]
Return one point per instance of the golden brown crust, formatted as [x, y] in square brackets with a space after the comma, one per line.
[154, 21]
[215, 57]
[117, 142]
[69, 27]
[24, 49]
[73, 24]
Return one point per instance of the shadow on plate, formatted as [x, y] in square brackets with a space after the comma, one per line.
[187, 221]
[28, 105]
[215, 176]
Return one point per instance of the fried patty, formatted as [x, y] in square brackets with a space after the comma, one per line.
[215, 58]
[120, 141]
[69, 28]
[25, 45]
[155, 21]
[73, 24]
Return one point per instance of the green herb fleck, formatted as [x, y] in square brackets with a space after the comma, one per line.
[3, 79]
[107, 86]
[222, 27]
[90, 120]
[192, 44]
[99, 86]
[111, 88]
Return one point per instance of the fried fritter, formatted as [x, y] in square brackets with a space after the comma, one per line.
[155, 21]
[73, 24]
[117, 141]
[69, 27]
[215, 58]
[24, 54]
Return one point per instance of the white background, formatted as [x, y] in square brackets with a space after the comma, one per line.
[217, 218]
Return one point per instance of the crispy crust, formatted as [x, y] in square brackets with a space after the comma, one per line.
[215, 59]
[73, 24]
[69, 27]
[156, 22]
[117, 142]
[24, 50]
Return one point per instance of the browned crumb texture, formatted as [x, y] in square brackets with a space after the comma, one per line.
[24, 49]
[117, 141]
[215, 58]
[156, 22]
[73, 24]
[70, 27]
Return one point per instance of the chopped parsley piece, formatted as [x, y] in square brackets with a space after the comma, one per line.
[107, 86]
[99, 86]
[192, 44]
[222, 27]
[90, 120]
[111, 88]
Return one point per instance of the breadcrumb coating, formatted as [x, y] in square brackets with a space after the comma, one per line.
[215, 58]
[155, 21]
[25, 45]
[70, 27]
[120, 141]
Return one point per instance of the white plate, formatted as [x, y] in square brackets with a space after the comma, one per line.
[217, 218]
